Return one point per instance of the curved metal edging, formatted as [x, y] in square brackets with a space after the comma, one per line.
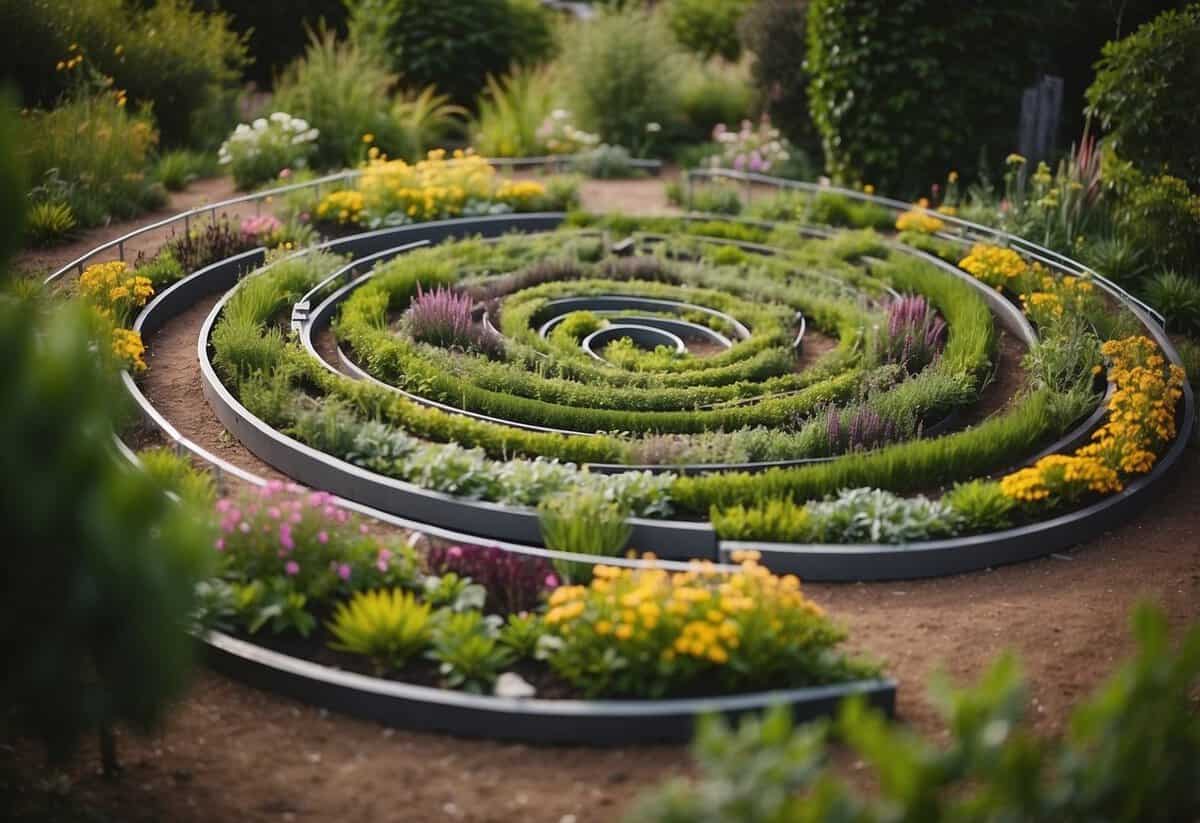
[643, 336]
[621, 302]
[534, 720]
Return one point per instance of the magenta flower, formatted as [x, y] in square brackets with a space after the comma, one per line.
[292, 568]
[220, 544]
[343, 571]
[551, 581]
[455, 551]
[285, 537]
[322, 537]
[384, 560]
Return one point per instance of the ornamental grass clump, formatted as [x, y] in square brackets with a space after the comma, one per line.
[649, 632]
[914, 336]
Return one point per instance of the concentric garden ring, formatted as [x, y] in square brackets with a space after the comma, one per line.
[814, 562]
[616, 721]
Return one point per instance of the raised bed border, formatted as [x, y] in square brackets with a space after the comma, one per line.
[530, 720]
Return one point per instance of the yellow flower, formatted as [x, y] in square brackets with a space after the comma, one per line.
[368, 138]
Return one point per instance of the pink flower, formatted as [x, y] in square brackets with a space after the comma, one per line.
[343, 571]
[292, 568]
[322, 537]
[362, 528]
[455, 551]
[224, 504]
[551, 581]
[285, 537]
[244, 527]
[384, 560]
[220, 544]
[284, 174]
[273, 512]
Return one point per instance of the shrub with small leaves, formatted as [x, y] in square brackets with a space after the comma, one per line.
[467, 648]
[982, 505]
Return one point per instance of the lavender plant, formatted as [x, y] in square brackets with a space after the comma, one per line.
[442, 317]
[914, 335]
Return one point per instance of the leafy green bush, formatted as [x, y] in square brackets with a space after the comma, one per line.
[899, 93]
[710, 94]
[468, 651]
[868, 515]
[182, 62]
[775, 32]
[622, 76]
[583, 521]
[453, 46]
[1147, 88]
[1161, 216]
[1129, 755]
[605, 162]
[708, 27]
[178, 168]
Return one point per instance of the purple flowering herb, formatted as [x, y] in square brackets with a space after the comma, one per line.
[914, 334]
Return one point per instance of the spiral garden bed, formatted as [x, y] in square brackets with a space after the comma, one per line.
[496, 373]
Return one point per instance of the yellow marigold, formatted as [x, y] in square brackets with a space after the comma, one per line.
[994, 265]
[919, 220]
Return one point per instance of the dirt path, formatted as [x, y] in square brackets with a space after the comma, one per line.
[232, 752]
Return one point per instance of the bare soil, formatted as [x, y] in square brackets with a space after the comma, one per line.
[231, 752]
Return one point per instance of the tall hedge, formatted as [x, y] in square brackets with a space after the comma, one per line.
[901, 91]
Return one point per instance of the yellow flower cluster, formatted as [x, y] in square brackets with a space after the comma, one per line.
[435, 188]
[994, 265]
[1141, 419]
[919, 220]
[663, 622]
[127, 346]
[344, 207]
[520, 194]
[114, 290]
[1057, 297]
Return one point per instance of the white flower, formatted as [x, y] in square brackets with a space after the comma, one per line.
[260, 124]
[299, 124]
[560, 114]
[512, 685]
[242, 128]
[653, 127]
[280, 117]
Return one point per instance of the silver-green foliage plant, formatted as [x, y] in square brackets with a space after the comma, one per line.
[1131, 754]
[868, 515]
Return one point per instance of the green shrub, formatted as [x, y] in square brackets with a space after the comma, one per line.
[868, 515]
[1116, 258]
[1129, 754]
[181, 167]
[707, 27]
[839, 210]
[605, 162]
[468, 651]
[161, 270]
[1178, 298]
[981, 504]
[453, 46]
[48, 224]
[1147, 88]
[716, 198]
[774, 31]
[710, 94]
[622, 76]
[900, 93]
[184, 63]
